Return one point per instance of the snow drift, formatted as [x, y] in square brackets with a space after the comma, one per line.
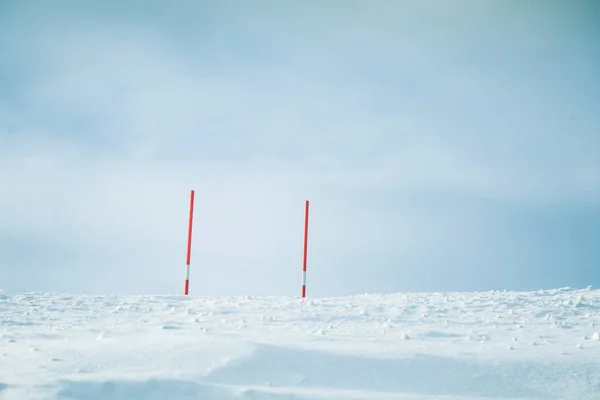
[419, 346]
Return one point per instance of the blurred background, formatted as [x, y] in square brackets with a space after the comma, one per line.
[444, 146]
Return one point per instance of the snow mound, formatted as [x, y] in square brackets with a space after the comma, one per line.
[468, 346]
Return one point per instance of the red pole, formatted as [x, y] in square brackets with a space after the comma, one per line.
[305, 249]
[189, 246]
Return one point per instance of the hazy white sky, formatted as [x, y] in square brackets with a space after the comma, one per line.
[444, 145]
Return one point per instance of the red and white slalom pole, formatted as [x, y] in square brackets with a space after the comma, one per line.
[189, 246]
[305, 253]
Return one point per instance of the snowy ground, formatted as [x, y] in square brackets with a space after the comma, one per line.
[492, 345]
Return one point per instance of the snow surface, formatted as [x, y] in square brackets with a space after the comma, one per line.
[418, 346]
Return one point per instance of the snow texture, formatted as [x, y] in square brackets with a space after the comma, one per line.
[417, 346]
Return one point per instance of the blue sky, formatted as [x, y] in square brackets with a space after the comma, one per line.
[444, 145]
